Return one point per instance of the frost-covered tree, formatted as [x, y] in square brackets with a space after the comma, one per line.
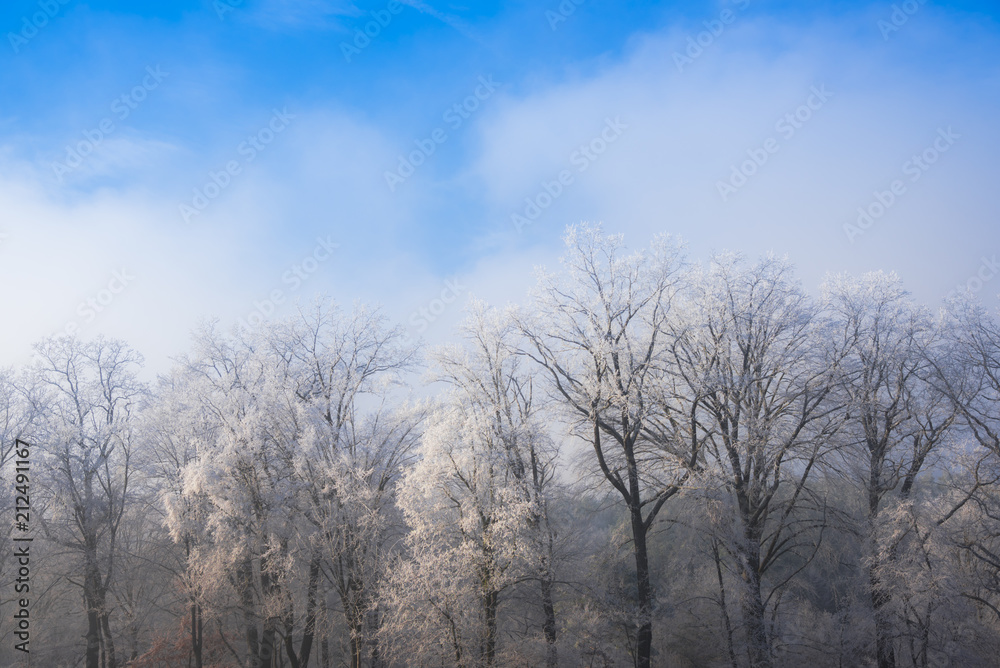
[290, 485]
[896, 418]
[241, 487]
[832, 469]
[756, 387]
[597, 331]
[477, 507]
[87, 429]
[342, 371]
[174, 426]
[969, 375]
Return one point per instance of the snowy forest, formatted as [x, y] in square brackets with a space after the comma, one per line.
[651, 461]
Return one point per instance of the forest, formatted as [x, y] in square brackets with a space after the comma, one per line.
[651, 461]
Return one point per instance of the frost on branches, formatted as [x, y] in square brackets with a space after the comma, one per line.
[476, 508]
[650, 462]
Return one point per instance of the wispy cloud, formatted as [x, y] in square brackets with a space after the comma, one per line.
[463, 27]
[302, 14]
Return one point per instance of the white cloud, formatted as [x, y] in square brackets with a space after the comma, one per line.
[687, 129]
[323, 178]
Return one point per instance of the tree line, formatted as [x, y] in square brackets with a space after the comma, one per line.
[652, 462]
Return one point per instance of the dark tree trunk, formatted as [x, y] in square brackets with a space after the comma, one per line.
[752, 601]
[549, 625]
[355, 650]
[244, 584]
[95, 605]
[267, 639]
[109, 641]
[644, 633]
[93, 636]
[266, 657]
[722, 605]
[308, 636]
[324, 652]
[630, 491]
[753, 613]
[885, 654]
[197, 634]
[490, 601]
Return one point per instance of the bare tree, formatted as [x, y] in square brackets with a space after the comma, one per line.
[341, 369]
[91, 394]
[174, 425]
[597, 332]
[896, 416]
[969, 375]
[238, 487]
[755, 385]
[477, 506]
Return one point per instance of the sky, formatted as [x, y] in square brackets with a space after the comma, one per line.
[167, 163]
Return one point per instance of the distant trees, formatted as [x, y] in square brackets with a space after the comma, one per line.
[651, 462]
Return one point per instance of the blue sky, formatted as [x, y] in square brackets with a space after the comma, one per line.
[649, 111]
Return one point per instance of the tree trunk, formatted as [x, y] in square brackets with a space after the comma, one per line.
[266, 658]
[722, 605]
[375, 623]
[109, 641]
[753, 614]
[355, 650]
[324, 646]
[644, 634]
[490, 601]
[197, 634]
[885, 653]
[244, 583]
[549, 625]
[305, 649]
[93, 636]
[752, 601]
[92, 598]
